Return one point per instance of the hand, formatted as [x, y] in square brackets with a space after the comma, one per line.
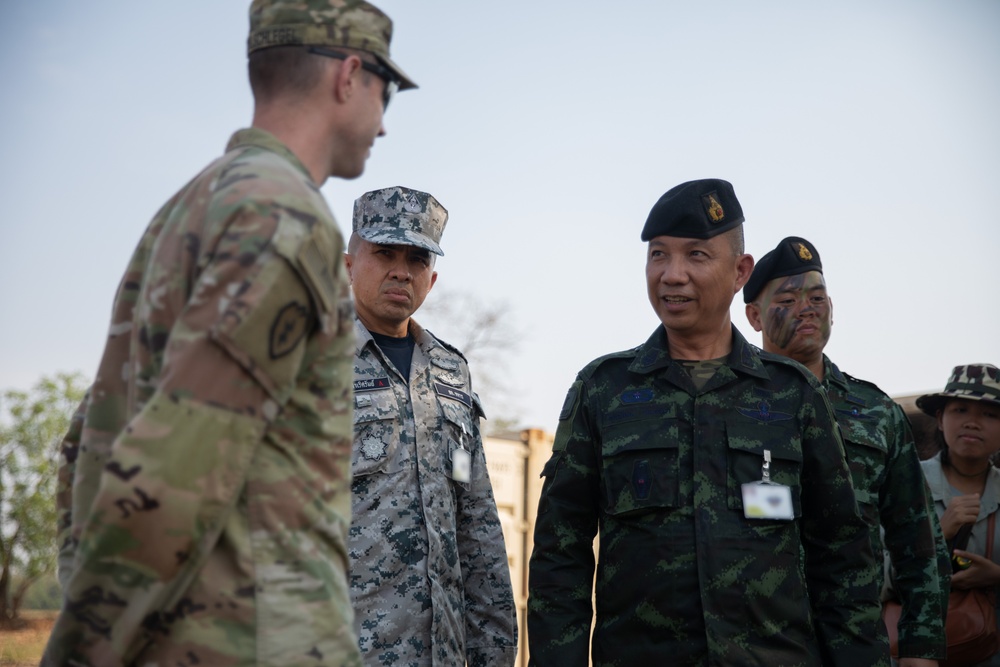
[961, 510]
[980, 574]
[917, 662]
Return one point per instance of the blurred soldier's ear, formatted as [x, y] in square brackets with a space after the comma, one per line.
[753, 315]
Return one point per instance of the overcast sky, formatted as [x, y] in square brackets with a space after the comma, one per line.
[548, 130]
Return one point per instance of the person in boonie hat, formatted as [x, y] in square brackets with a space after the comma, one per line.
[962, 477]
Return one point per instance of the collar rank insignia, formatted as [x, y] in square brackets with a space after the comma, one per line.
[713, 207]
[763, 413]
[804, 253]
[373, 449]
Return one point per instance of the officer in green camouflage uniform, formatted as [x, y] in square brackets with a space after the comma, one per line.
[210, 488]
[787, 301]
[729, 531]
[429, 577]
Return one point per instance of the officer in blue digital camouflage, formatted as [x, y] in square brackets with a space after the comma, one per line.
[714, 477]
[429, 576]
[205, 496]
[786, 300]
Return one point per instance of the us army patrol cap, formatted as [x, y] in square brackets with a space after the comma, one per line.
[694, 210]
[794, 255]
[352, 24]
[974, 382]
[400, 216]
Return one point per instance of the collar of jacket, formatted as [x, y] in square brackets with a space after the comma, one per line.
[258, 138]
[653, 355]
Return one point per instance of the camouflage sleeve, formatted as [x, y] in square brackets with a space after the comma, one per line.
[561, 571]
[912, 536]
[837, 546]
[490, 615]
[175, 472]
[68, 451]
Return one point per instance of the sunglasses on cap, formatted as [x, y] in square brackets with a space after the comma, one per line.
[384, 73]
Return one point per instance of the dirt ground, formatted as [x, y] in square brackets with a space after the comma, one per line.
[23, 644]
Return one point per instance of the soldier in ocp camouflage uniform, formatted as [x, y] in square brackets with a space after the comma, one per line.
[429, 575]
[787, 301]
[729, 532]
[210, 472]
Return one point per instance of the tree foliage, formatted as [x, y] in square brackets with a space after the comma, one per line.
[32, 424]
[486, 335]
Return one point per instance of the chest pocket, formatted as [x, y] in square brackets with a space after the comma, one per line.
[639, 465]
[866, 449]
[746, 443]
[377, 445]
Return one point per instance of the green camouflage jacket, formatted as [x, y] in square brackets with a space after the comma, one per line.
[211, 486]
[895, 501]
[429, 576]
[683, 577]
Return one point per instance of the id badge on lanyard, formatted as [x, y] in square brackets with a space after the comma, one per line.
[766, 499]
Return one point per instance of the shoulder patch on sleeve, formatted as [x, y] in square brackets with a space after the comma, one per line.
[569, 404]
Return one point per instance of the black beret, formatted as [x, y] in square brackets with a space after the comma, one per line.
[694, 210]
[794, 255]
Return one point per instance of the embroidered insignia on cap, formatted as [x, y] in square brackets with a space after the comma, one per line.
[412, 204]
[288, 328]
[804, 253]
[373, 448]
[713, 207]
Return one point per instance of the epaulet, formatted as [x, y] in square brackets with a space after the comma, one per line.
[591, 368]
[771, 357]
[447, 346]
[851, 378]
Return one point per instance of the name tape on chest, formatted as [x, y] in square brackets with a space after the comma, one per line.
[371, 384]
[452, 393]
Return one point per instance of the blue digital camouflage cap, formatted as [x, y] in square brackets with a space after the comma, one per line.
[694, 210]
[400, 216]
[794, 255]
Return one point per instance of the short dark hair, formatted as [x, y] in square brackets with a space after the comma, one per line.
[283, 70]
[736, 242]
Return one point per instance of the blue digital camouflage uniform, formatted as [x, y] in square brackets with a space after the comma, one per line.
[210, 506]
[429, 576]
[683, 578]
[892, 493]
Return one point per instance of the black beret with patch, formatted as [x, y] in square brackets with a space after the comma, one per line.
[694, 210]
[794, 255]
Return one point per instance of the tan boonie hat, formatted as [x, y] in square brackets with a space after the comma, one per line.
[352, 24]
[975, 382]
[400, 216]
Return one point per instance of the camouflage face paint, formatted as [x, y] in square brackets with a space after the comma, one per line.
[795, 313]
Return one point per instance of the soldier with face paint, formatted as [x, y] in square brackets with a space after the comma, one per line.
[786, 300]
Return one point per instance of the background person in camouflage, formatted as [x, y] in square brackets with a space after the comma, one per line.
[210, 495]
[786, 300]
[663, 448]
[429, 576]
